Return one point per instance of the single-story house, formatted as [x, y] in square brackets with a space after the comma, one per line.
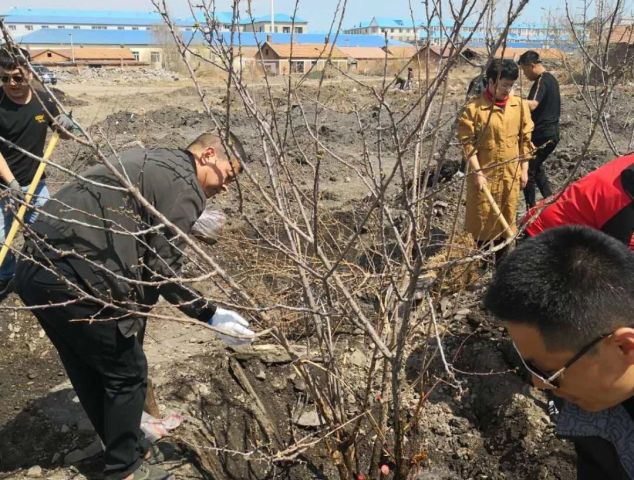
[367, 60]
[403, 52]
[146, 45]
[478, 55]
[282, 59]
[432, 55]
[80, 55]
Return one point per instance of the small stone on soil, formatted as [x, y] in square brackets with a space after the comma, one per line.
[278, 383]
[299, 384]
[358, 358]
[34, 472]
[309, 419]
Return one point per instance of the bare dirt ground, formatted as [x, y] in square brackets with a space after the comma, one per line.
[494, 427]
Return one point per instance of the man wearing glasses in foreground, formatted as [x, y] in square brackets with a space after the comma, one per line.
[25, 115]
[566, 298]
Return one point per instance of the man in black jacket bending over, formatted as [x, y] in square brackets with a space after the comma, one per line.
[98, 253]
[566, 298]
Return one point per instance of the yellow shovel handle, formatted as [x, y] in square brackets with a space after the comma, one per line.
[508, 231]
[17, 221]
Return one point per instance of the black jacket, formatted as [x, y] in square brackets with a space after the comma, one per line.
[111, 242]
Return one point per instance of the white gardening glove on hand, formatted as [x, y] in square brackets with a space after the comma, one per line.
[232, 323]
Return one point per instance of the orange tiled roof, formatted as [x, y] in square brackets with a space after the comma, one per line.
[284, 50]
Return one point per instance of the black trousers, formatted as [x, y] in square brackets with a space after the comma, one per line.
[107, 370]
[536, 174]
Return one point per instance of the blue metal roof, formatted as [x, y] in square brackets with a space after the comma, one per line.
[392, 22]
[384, 22]
[92, 17]
[532, 25]
[146, 37]
[88, 37]
[252, 39]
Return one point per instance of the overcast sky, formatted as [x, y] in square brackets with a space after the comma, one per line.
[318, 13]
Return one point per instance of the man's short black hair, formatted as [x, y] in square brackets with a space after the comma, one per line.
[572, 283]
[238, 148]
[13, 57]
[230, 145]
[502, 69]
[529, 57]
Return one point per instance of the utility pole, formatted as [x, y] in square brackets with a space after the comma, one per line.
[72, 48]
[272, 16]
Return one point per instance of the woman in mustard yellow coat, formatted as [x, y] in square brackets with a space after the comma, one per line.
[495, 132]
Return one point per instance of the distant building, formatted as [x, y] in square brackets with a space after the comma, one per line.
[367, 60]
[145, 46]
[435, 32]
[362, 53]
[282, 23]
[22, 21]
[394, 28]
[251, 39]
[550, 56]
[282, 59]
[90, 56]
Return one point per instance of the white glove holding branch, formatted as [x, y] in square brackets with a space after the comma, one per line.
[232, 323]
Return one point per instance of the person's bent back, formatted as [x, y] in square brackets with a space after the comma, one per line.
[601, 200]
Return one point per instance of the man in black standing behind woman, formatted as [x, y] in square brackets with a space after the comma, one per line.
[544, 101]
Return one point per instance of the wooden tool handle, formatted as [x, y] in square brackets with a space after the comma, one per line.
[508, 231]
[17, 221]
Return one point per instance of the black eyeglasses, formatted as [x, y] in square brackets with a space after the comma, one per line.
[553, 380]
[17, 78]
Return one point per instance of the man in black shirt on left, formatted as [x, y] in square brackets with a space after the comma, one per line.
[25, 115]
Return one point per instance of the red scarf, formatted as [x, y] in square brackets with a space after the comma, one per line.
[498, 103]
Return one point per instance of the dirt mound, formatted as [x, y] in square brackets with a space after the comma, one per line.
[66, 99]
[151, 122]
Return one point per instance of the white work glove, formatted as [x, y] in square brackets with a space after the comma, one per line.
[16, 195]
[232, 323]
[67, 123]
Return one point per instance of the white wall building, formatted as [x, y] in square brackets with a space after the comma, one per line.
[22, 21]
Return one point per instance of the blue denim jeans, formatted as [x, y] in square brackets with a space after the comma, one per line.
[40, 197]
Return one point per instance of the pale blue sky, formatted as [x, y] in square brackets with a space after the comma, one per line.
[318, 13]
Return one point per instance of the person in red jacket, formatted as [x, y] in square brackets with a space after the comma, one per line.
[603, 200]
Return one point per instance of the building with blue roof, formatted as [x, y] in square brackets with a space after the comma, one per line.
[282, 23]
[534, 34]
[146, 45]
[254, 39]
[88, 37]
[145, 38]
[21, 21]
[394, 28]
